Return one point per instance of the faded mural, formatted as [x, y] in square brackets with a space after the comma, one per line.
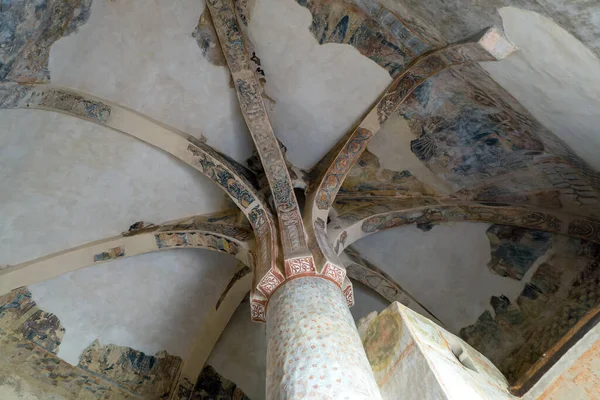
[29, 366]
[562, 289]
[29, 28]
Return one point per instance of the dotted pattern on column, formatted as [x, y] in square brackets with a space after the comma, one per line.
[314, 350]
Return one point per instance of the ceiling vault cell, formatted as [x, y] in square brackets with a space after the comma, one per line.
[330, 173]
[195, 232]
[361, 216]
[365, 272]
[226, 173]
[206, 339]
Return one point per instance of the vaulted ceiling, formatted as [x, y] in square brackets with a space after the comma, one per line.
[122, 117]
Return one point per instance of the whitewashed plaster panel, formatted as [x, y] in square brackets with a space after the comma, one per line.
[555, 76]
[320, 90]
[66, 182]
[150, 302]
[440, 267]
[141, 54]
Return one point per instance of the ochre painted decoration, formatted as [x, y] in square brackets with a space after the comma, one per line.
[194, 232]
[298, 258]
[255, 114]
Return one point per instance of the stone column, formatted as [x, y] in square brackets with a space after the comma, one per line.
[314, 350]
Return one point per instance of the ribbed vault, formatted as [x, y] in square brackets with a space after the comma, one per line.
[508, 171]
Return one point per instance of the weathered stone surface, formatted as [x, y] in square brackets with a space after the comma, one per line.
[413, 358]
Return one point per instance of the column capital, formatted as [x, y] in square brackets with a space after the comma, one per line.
[296, 267]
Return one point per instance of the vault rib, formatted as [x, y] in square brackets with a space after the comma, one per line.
[194, 232]
[359, 217]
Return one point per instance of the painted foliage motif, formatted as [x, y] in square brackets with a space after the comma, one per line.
[253, 109]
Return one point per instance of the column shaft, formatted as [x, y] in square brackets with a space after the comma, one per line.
[314, 350]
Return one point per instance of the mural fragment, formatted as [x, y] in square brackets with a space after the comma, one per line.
[31, 371]
[150, 377]
[562, 290]
[473, 134]
[367, 175]
[29, 29]
[514, 249]
[114, 253]
[369, 27]
[20, 315]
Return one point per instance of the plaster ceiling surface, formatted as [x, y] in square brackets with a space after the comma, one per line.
[320, 90]
[445, 267]
[141, 54]
[73, 182]
[150, 302]
[555, 76]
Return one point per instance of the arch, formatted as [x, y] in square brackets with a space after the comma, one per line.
[195, 232]
[361, 217]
